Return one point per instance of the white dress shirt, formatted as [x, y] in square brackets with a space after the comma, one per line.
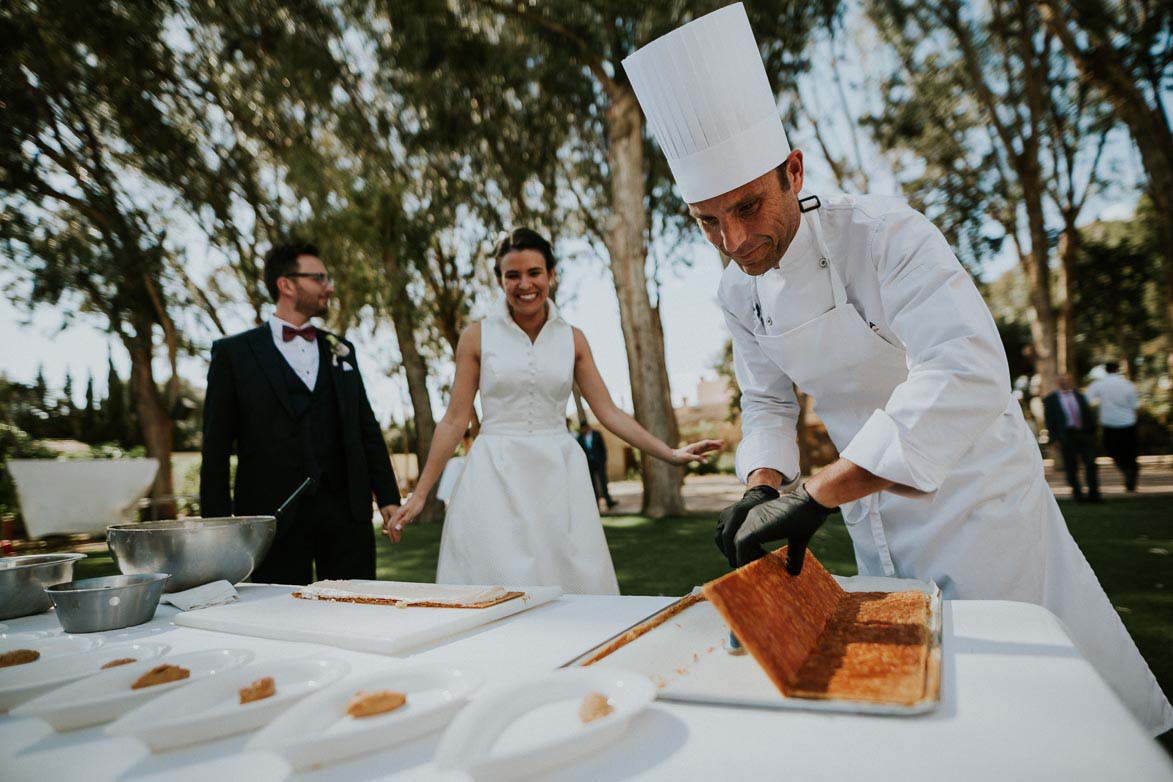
[1117, 399]
[301, 354]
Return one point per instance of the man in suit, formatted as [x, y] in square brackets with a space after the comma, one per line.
[289, 397]
[596, 453]
[1070, 423]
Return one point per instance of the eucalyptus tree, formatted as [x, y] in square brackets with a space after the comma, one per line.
[978, 101]
[92, 160]
[1124, 48]
[620, 189]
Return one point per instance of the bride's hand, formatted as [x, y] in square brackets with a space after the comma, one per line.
[696, 452]
[403, 516]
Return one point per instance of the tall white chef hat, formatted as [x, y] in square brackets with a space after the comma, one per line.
[704, 90]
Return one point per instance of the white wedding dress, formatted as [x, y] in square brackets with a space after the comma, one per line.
[523, 510]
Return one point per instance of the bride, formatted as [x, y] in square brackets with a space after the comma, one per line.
[523, 510]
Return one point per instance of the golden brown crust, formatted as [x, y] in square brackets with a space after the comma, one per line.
[816, 641]
[644, 627]
[160, 674]
[118, 662]
[378, 601]
[370, 703]
[777, 617]
[19, 657]
[875, 648]
[258, 690]
[594, 706]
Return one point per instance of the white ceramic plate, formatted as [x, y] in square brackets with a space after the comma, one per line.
[47, 644]
[523, 729]
[211, 709]
[318, 730]
[25, 682]
[108, 695]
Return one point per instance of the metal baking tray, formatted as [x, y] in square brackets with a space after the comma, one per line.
[685, 657]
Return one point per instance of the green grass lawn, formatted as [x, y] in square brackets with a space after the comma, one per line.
[1129, 542]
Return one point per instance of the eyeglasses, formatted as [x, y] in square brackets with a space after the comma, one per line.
[321, 278]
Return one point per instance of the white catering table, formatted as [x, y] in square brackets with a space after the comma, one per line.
[1018, 702]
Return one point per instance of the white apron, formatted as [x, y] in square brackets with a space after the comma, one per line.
[991, 531]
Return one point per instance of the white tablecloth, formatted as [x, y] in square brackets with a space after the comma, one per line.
[1018, 702]
[60, 496]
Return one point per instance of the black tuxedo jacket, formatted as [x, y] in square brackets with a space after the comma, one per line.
[597, 452]
[247, 406]
[1057, 419]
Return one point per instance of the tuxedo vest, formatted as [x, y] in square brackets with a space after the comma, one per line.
[319, 424]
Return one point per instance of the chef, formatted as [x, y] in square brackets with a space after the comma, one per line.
[860, 301]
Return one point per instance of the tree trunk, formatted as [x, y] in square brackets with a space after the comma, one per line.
[643, 333]
[1100, 64]
[1038, 274]
[1068, 248]
[155, 419]
[805, 446]
[403, 317]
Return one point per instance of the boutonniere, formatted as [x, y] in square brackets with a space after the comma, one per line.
[338, 349]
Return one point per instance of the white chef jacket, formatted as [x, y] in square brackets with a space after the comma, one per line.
[301, 354]
[930, 409]
[1117, 399]
[902, 276]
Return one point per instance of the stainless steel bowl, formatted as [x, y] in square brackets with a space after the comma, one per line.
[23, 581]
[194, 551]
[107, 603]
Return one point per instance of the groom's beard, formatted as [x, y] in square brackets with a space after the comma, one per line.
[311, 305]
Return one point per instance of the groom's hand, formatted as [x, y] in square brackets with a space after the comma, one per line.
[389, 529]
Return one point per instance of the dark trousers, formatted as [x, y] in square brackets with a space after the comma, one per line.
[599, 481]
[1120, 442]
[321, 535]
[1080, 446]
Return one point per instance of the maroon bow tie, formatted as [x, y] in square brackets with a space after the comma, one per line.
[309, 333]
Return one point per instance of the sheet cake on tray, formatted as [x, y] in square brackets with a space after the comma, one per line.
[861, 644]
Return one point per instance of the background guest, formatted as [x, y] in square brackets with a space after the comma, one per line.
[1070, 423]
[1117, 400]
[596, 453]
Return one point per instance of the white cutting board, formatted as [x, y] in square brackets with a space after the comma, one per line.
[361, 628]
[686, 659]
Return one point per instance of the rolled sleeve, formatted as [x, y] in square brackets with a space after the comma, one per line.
[958, 380]
[769, 408]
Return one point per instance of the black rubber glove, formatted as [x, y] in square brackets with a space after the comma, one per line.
[794, 517]
[731, 519]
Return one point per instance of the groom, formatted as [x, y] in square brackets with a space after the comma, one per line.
[290, 398]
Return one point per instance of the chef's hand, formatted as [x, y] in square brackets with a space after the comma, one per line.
[794, 517]
[731, 519]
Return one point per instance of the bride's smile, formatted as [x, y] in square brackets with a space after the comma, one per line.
[526, 281]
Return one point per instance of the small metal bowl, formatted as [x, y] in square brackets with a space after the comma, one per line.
[107, 603]
[23, 581]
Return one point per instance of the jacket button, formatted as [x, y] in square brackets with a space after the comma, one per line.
[822, 263]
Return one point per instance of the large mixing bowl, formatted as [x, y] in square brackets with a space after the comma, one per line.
[23, 581]
[194, 551]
